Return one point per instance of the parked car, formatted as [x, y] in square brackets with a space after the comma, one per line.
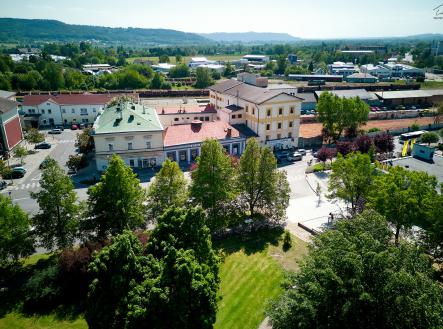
[384, 108]
[3, 185]
[302, 151]
[281, 157]
[44, 163]
[55, 131]
[19, 168]
[296, 156]
[82, 126]
[74, 127]
[13, 174]
[60, 127]
[43, 146]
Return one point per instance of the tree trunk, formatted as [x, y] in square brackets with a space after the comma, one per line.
[397, 234]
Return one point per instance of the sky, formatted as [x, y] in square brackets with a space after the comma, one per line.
[320, 19]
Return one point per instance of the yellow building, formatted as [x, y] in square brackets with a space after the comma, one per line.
[273, 114]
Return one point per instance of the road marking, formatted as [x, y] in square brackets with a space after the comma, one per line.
[38, 177]
[20, 199]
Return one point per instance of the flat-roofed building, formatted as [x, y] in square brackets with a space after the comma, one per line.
[342, 68]
[376, 70]
[406, 97]
[369, 97]
[361, 78]
[180, 114]
[274, 115]
[132, 131]
[256, 58]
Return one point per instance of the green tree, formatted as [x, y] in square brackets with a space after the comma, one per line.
[351, 178]
[20, 152]
[203, 76]
[113, 272]
[34, 136]
[229, 70]
[163, 59]
[429, 137]
[157, 81]
[184, 295]
[264, 189]
[15, 231]
[179, 71]
[116, 202]
[213, 180]
[354, 277]
[281, 64]
[337, 114]
[56, 224]
[440, 132]
[85, 141]
[178, 58]
[54, 76]
[168, 189]
[414, 127]
[404, 197]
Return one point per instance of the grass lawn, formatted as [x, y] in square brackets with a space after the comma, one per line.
[252, 273]
[17, 321]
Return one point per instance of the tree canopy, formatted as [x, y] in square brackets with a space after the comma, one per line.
[354, 277]
[56, 224]
[116, 202]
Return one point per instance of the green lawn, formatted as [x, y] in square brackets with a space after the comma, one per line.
[16, 321]
[251, 273]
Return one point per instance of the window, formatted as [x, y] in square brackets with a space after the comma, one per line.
[195, 118]
[278, 136]
[43, 111]
[239, 116]
[44, 121]
[233, 116]
[292, 110]
[85, 120]
[290, 123]
[280, 111]
[279, 125]
[267, 137]
[175, 119]
[72, 110]
[289, 135]
[206, 118]
[129, 146]
[246, 108]
[253, 111]
[202, 118]
[94, 110]
[48, 104]
[131, 163]
[63, 110]
[148, 145]
[268, 112]
[110, 147]
[268, 126]
[83, 111]
[49, 111]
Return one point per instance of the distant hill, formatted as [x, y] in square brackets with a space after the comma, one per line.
[250, 37]
[41, 30]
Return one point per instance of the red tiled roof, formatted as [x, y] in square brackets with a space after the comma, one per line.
[68, 99]
[188, 109]
[189, 133]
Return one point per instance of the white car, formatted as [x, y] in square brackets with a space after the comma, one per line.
[302, 151]
[296, 156]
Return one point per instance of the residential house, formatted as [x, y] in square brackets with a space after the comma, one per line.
[10, 127]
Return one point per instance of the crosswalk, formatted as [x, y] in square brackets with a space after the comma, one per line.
[62, 141]
[28, 186]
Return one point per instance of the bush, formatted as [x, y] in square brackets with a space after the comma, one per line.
[373, 130]
[76, 162]
[287, 241]
[363, 143]
[429, 137]
[384, 142]
[414, 127]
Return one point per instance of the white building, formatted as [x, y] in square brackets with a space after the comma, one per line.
[64, 109]
[199, 61]
[342, 68]
[274, 115]
[132, 131]
[376, 70]
[162, 67]
[256, 58]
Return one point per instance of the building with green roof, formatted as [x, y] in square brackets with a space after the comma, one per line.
[132, 131]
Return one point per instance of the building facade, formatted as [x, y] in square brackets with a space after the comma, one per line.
[273, 115]
[132, 131]
[10, 127]
[64, 109]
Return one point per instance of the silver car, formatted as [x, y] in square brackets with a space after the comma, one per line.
[296, 156]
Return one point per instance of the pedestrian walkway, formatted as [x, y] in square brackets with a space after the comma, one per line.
[28, 186]
[61, 141]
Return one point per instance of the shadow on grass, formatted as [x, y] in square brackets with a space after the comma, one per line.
[252, 242]
[15, 296]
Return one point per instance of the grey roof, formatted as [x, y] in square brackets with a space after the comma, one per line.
[245, 131]
[247, 92]
[361, 76]
[403, 94]
[434, 169]
[6, 94]
[224, 85]
[307, 97]
[234, 107]
[348, 93]
[7, 105]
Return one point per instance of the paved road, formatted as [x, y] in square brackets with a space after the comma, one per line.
[62, 147]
